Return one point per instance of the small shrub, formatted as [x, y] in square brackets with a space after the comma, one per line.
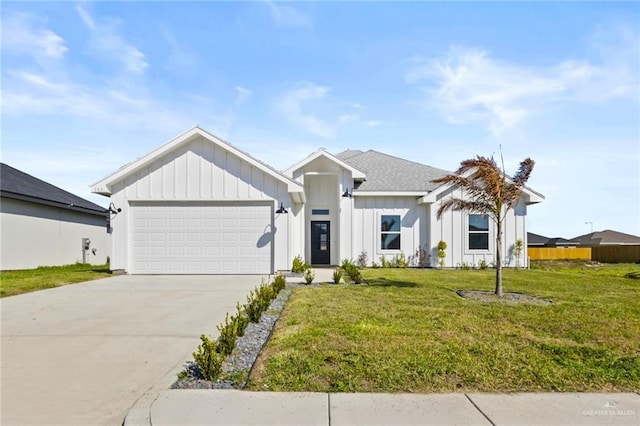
[464, 265]
[363, 259]
[279, 283]
[337, 275]
[400, 261]
[517, 250]
[228, 335]
[357, 277]
[208, 360]
[299, 265]
[242, 319]
[483, 265]
[442, 253]
[349, 268]
[385, 263]
[421, 257]
[375, 265]
[309, 275]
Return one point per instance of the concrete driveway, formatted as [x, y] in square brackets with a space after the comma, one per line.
[83, 354]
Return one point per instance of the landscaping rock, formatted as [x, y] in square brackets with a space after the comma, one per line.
[246, 351]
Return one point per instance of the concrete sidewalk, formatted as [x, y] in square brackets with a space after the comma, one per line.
[233, 407]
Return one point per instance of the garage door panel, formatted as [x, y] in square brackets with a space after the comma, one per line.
[197, 238]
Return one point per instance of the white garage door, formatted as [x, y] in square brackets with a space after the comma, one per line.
[201, 238]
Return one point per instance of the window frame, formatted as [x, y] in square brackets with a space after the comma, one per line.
[469, 232]
[380, 233]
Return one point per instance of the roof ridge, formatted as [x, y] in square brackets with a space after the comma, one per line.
[405, 160]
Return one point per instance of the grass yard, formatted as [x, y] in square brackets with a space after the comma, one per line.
[18, 282]
[410, 332]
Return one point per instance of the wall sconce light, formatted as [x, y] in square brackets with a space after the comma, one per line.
[347, 194]
[282, 209]
[113, 210]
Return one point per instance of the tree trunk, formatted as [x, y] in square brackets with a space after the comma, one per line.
[498, 291]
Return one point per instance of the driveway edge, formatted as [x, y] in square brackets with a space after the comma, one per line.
[140, 412]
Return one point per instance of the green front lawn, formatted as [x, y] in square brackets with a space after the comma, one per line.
[17, 282]
[410, 332]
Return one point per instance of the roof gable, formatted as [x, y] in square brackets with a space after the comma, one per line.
[321, 153]
[105, 185]
[386, 173]
[22, 186]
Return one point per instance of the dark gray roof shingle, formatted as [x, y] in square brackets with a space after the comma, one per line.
[19, 185]
[388, 173]
[606, 237]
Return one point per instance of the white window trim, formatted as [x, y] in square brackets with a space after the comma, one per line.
[491, 234]
[379, 233]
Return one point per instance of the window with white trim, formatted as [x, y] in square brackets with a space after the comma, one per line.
[478, 232]
[390, 232]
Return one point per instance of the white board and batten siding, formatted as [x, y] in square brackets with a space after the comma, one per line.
[453, 229]
[367, 214]
[200, 178]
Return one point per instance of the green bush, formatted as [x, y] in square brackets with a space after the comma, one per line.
[228, 335]
[442, 253]
[242, 319]
[363, 259]
[309, 275]
[464, 265]
[208, 360]
[400, 261]
[279, 283]
[337, 275]
[352, 271]
[384, 263]
[299, 265]
[483, 264]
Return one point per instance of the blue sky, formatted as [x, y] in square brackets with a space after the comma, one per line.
[88, 87]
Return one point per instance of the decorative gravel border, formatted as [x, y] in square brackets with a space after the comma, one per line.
[248, 347]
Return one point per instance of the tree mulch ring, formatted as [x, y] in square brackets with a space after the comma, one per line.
[489, 296]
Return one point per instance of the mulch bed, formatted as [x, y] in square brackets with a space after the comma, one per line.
[489, 296]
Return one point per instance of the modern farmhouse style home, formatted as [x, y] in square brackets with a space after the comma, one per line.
[198, 205]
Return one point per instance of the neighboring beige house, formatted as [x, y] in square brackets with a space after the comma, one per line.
[43, 225]
[197, 204]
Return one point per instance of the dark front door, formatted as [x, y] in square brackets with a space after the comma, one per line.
[320, 243]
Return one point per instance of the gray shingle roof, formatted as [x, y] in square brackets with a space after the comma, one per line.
[19, 185]
[606, 237]
[388, 173]
[536, 240]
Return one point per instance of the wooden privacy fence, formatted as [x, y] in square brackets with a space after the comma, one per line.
[559, 253]
[616, 254]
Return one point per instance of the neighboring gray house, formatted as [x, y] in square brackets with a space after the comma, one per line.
[197, 204]
[535, 240]
[43, 225]
[606, 238]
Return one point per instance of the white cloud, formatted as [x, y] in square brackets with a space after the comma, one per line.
[347, 118]
[469, 86]
[20, 32]
[290, 104]
[180, 58]
[285, 16]
[311, 108]
[106, 40]
[242, 95]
